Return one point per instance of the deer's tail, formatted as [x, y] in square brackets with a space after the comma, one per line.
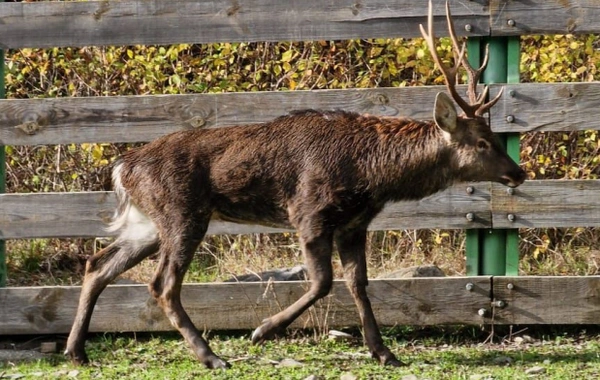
[123, 201]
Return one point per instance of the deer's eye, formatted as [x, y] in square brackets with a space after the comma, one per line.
[482, 145]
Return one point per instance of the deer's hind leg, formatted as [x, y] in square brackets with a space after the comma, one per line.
[176, 253]
[101, 269]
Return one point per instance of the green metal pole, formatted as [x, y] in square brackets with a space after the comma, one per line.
[513, 146]
[493, 251]
[494, 241]
[3, 269]
[474, 241]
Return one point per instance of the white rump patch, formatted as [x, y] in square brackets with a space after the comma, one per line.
[133, 225]
[138, 228]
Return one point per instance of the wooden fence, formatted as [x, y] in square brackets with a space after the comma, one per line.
[226, 306]
[523, 108]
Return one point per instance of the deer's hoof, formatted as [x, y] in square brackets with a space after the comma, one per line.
[215, 362]
[266, 331]
[388, 359]
[393, 362]
[78, 357]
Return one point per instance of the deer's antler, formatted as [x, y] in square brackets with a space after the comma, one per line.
[476, 106]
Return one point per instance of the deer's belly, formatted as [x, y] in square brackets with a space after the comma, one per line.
[271, 220]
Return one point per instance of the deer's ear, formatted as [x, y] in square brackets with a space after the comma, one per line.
[444, 113]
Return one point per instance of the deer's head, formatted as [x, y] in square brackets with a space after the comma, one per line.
[480, 154]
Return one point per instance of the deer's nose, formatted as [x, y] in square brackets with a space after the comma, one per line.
[521, 176]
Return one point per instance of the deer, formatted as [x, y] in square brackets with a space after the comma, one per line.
[327, 174]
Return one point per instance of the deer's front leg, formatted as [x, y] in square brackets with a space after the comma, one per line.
[351, 247]
[317, 251]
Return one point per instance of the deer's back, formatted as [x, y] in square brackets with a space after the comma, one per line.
[260, 173]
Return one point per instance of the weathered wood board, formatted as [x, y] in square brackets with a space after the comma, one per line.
[144, 118]
[547, 300]
[534, 107]
[225, 306]
[86, 214]
[547, 203]
[50, 24]
[132, 22]
[542, 203]
[547, 107]
[30, 215]
[509, 17]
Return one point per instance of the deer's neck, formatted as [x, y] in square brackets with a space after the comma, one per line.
[414, 159]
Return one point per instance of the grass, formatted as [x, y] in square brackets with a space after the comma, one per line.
[439, 353]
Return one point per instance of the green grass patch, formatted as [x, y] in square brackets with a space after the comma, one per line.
[439, 354]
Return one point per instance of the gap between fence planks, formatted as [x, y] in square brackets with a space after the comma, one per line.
[86, 214]
[532, 106]
[227, 306]
[150, 22]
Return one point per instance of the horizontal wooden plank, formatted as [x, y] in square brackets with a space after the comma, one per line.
[30, 215]
[223, 306]
[547, 107]
[50, 24]
[79, 23]
[534, 107]
[543, 203]
[547, 300]
[509, 17]
[144, 118]
[548, 203]
[86, 214]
